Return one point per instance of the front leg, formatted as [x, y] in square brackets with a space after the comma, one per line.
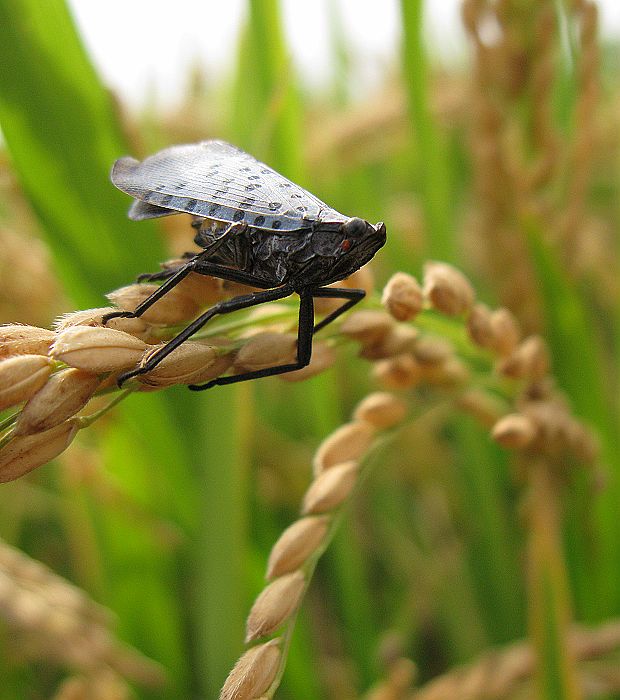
[199, 263]
[352, 296]
[168, 269]
[172, 280]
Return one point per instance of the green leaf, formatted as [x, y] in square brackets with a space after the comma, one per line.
[63, 136]
[430, 144]
[579, 368]
[62, 133]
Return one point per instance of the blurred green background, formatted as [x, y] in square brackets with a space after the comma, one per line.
[505, 165]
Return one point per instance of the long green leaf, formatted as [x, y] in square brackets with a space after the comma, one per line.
[265, 85]
[63, 135]
[549, 604]
[579, 369]
[431, 149]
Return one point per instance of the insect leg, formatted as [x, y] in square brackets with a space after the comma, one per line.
[353, 296]
[176, 276]
[304, 350]
[223, 307]
[172, 281]
[167, 272]
[158, 276]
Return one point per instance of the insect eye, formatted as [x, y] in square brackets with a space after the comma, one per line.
[345, 245]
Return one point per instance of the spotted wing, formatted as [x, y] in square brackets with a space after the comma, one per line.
[218, 181]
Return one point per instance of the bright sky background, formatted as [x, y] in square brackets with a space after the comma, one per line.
[141, 45]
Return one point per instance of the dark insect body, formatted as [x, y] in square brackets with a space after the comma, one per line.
[255, 227]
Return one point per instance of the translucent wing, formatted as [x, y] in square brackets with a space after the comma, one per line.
[218, 181]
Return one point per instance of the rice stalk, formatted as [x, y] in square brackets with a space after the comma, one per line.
[545, 425]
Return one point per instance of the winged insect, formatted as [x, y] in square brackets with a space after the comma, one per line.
[256, 228]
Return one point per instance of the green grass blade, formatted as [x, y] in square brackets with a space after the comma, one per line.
[495, 548]
[63, 135]
[431, 150]
[550, 613]
[221, 590]
[579, 368]
[265, 85]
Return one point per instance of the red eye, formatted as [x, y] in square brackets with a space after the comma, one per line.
[345, 245]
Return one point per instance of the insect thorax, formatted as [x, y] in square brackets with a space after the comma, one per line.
[305, 256]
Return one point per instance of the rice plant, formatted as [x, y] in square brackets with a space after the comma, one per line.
[428, 509]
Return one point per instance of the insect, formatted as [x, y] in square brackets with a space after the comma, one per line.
[255, 227]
